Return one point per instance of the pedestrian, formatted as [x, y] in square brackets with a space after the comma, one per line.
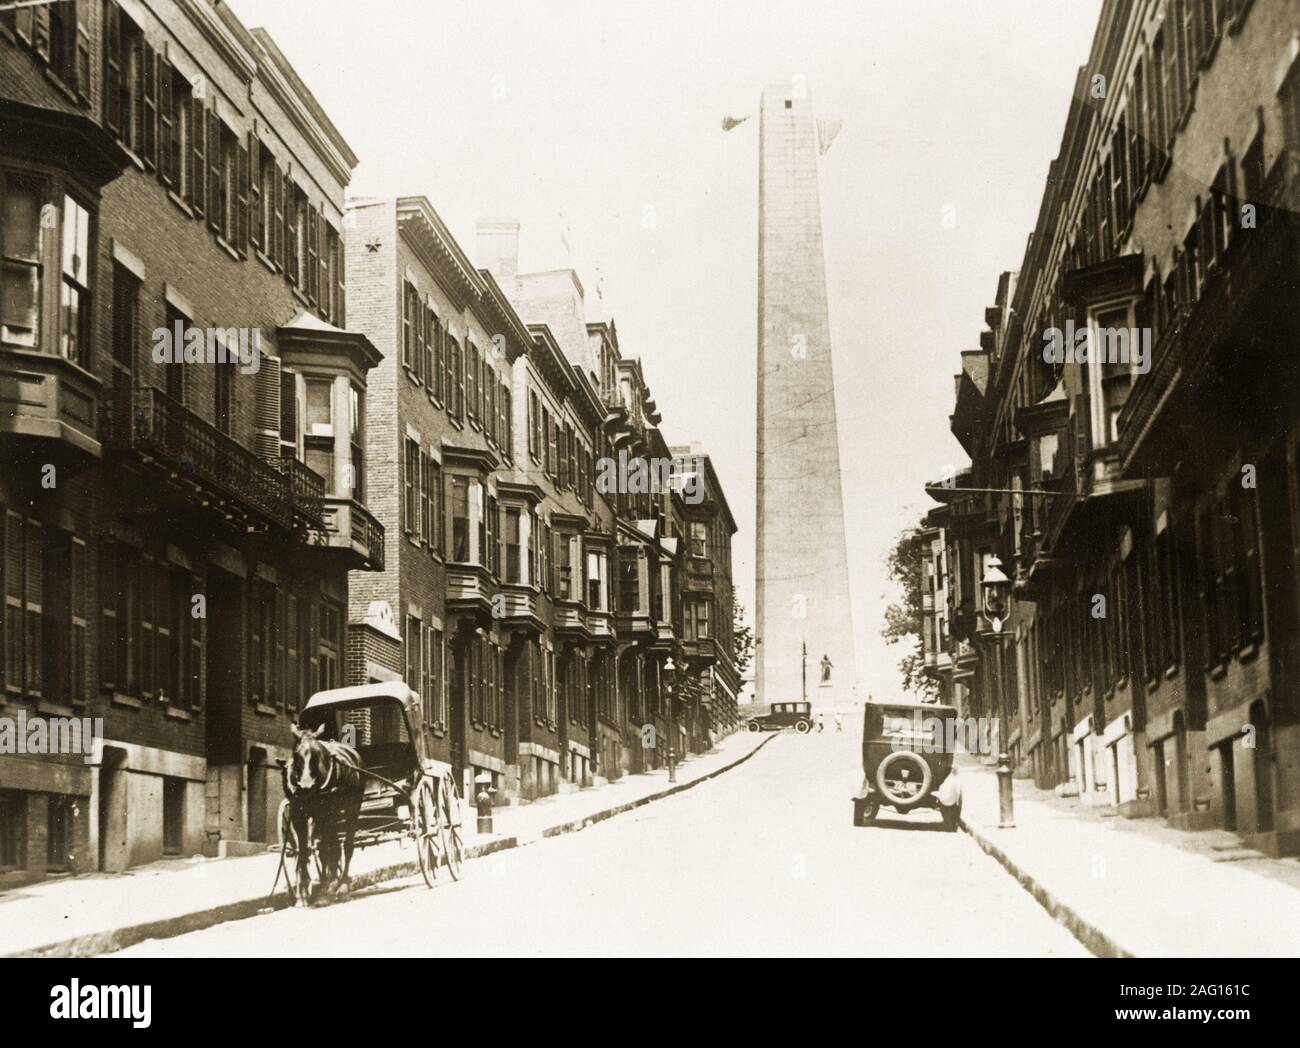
[839, 723]
[821, 723]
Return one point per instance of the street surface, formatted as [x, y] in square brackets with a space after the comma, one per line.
[762, 860]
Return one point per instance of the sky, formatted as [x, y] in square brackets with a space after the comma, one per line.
[596, 124]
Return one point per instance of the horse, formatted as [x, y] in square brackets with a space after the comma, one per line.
[324, 783]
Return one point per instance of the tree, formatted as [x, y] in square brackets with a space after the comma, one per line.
[742, 636]
[904, 620]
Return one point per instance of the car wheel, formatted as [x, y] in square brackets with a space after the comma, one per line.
[753, 726]
[903, 778]
[802, 727]
[864, 812]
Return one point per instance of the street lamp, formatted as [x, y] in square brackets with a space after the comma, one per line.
[670, 671]
[995, 589]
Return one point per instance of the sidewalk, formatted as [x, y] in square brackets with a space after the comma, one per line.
[1135, 887]
[100, 913]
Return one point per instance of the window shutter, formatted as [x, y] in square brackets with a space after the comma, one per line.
[256, 234]
[291, 653]
[83, 49]
[108, 625]
[198, 161]
[313, 650]
[148, 653]
[41, 31]
[241, 189]
[166, 123]
[312, 275]
[341, 286]
[267, 409]
[277, 667]
[291, 245]
[216, 187]
[112, 68]
[254, 641]
[79, 613]
[277, 219]
[194, 664]
[34, 584]
[12, 611]
[148, 81]
[323, 263]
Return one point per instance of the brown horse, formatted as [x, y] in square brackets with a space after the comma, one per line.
[324, 783]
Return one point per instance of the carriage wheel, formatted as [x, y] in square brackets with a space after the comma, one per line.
[452, 847]
[427, 827]
[289, 854]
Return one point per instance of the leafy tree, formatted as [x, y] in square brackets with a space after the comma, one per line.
[742, 636]
[904, 620]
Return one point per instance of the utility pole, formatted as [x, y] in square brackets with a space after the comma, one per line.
[803, 672]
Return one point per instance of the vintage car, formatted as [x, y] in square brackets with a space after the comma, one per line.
[796, 715]
[907, 761]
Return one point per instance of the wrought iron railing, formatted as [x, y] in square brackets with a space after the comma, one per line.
[306, 489]
[150, 423]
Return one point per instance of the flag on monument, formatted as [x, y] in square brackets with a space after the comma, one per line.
[728, 122]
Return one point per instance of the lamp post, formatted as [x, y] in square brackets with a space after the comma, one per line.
[995, 589]
[670, 672]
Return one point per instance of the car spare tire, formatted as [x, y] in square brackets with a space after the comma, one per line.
[903, 778]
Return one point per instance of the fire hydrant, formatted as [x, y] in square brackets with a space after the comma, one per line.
[483, 799]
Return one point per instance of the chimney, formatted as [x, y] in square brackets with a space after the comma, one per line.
[498, 248]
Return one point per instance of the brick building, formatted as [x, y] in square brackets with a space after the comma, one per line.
[1153, 532]
[177, 531]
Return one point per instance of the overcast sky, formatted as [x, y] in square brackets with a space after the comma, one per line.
[596, 123]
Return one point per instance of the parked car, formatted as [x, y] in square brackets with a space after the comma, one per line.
[907, 761]
[796, 715]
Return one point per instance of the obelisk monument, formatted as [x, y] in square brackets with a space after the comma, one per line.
[803, 583]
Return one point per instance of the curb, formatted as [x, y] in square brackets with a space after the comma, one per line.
[116, 939]
[1093, 938]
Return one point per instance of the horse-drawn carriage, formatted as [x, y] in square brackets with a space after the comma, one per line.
[361, 774]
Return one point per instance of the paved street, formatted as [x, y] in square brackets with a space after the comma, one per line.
[762, 859]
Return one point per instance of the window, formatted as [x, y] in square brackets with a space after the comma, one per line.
[331, 645]
[63, 619]
[126, 323]
[493, 556]
[507, 425]
[460, 519]
[174, 372]
[699, 539]
[597, 566]
[75, 299]
[224, 393]
[629, 581]
[21, 217]
[13, 829]
[472, 381]
[436, 337]
[435, 693]
[415, 656]
[23, 569]
[150, 645]
[318, 429]
[411, 501]
[534, 427]
[697, 618]
[511, 538]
